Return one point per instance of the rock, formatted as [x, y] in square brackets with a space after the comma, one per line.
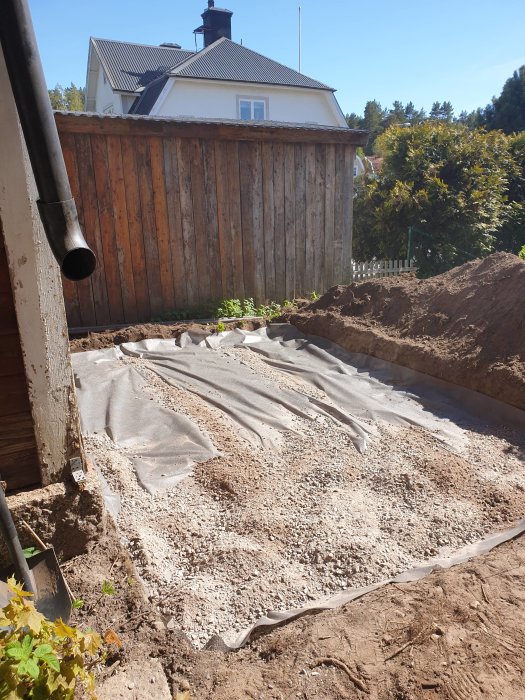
[135, 681]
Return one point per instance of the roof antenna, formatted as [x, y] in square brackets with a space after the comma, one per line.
[299, 38]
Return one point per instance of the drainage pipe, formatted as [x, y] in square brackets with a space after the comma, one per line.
[56, 204]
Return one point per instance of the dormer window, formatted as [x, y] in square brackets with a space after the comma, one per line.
[252, 108]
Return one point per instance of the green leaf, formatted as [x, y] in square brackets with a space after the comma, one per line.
[108, 588]
[42, 650]
[52, 661]
[15, 651]
[30, 667]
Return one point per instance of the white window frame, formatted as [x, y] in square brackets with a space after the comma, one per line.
[251, 99]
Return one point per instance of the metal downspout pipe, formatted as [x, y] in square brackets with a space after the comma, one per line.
[56, 204]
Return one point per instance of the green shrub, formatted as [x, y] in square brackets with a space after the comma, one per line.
[40, 659]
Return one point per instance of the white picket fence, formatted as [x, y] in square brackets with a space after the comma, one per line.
[380, 268]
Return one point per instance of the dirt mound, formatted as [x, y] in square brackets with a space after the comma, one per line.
[133, 334]
[466, 326]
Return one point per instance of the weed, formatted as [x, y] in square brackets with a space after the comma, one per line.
[29, 552]
[108, 588]
[313, 296]
[39, 658]
[221, 327]
[77, 604]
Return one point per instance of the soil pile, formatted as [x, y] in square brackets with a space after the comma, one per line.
[466, 326]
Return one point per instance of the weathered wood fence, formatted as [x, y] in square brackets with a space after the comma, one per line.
[181, 213]
[381, 268]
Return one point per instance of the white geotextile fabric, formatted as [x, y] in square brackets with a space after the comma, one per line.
[162, 445]
[360, 391]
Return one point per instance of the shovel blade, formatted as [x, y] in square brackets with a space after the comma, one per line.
[51, 597]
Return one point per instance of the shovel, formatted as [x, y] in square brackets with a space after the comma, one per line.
[40, 574]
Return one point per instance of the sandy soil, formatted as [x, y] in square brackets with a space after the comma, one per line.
[466, 326]
[248, 532]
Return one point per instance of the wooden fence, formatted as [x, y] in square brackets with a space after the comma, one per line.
[381, 268]
[182, 213]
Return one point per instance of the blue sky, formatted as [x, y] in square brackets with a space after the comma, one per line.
[419, 50]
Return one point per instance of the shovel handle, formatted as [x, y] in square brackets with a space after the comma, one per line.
[13, 545]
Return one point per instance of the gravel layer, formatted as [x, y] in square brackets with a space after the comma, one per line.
[252, 531]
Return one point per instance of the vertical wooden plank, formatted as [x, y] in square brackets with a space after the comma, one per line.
[320, 187]
[329, 217]
[311, 220]
[136, 240]
[88, 192]
[247, 174]
[161, 222]
[147, 207]
[188, 228]
[289, 221]
[279, 237]
[224, 196]
[258, 232]
[236, 223]
[120, 221]
[269, 217]
[212, 224]
[71, 299]
[107, 226]
[348, 179]
[339, 213]
[171, 168]
[300, 219]
[199, 219]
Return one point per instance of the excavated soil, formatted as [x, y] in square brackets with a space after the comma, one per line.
[230, 541]
[466, 326]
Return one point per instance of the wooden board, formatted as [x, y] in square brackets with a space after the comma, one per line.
[171, 170]
[199, 220]
[147, 206]
[162, 231]
[289, 221]
[87, 201]
[188, 226]
[235, 206]
[211, 219]
[136, 239]
[300, 220]
[224, 224]
[269, 218]
[329, 217]
[279, 236]
[121, 230]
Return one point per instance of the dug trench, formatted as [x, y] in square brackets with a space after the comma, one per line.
[251, 530]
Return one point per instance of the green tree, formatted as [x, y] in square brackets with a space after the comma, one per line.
[508, 110]
[354, 121]
[70, 98]
[446, 182]
[511, 235]
[373, 122]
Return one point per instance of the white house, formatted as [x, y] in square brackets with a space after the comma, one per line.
[223, 81]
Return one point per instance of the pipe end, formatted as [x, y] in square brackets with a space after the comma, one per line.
[78, 264]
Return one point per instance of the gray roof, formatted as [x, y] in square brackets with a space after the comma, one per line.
[226, 60]
[132, 66]
[144, 103]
